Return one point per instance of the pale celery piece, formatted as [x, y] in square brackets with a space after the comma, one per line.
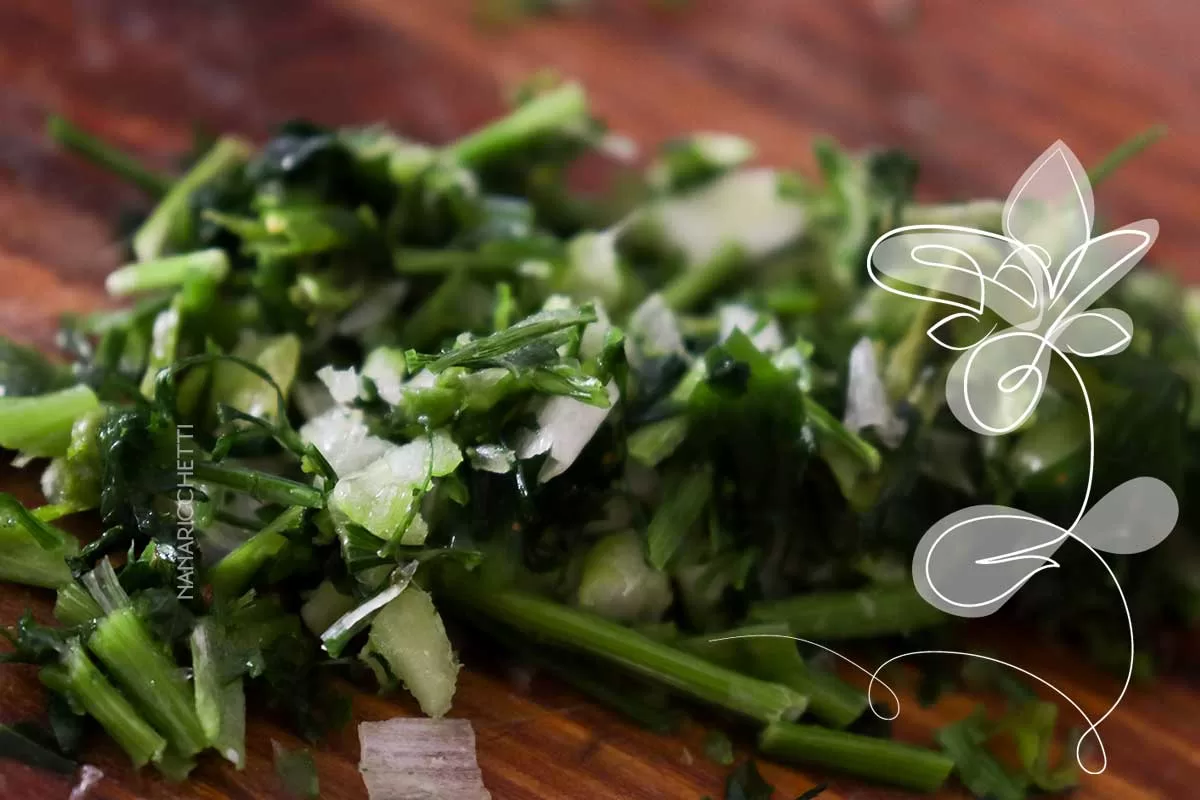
[163, 343]
[40, 426]
[25, 559]
[594, 270]
[32, 551]
[73, 479]
[617, 583]
[382, 497]
[324, 607]
[220, 703]
[236, 386]
[408, 633]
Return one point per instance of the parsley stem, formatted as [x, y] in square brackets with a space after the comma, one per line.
[171, 221]
[170, 272]
[640, 707]
[417, 261]
[79, 679]
[830, 429]
[986, 214]
[769, 652]
[493, 346]
[40, 426]
[874, 611]
[1125, 151]
[220, 703]
[18, 747]
[233, 573]
[25, 560]
[891, 762]
[556, 110]
[142, 667]
[696, 283]
[260, 485]
[685, 497]
[556, 624]
[74, 606]
[104, 155]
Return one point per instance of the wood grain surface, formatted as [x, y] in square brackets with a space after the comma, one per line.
[975, 90]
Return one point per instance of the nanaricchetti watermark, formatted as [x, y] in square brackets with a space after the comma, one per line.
[185, 512]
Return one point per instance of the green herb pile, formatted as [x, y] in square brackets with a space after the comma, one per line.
[365, 384]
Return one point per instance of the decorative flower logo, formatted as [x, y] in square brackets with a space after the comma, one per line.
[1041, 277]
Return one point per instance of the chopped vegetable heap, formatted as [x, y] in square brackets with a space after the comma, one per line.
[372, 399]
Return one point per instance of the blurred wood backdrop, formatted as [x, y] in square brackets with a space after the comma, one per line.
[975, 90]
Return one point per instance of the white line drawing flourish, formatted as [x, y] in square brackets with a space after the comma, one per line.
[1040, 277]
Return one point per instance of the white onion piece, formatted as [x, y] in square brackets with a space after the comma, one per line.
[565, 426]
[763, 331]
[743, 208]
[341, 383]
[654, 329]
[420, 759]
[342, 436]
[867, 403]
[375, 308]
[89, 776]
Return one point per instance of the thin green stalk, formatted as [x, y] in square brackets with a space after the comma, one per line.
[908, 354]
[260, 485]
[74, 606]
[431, 318]
[104, 587]
[556, 624]
[1125, 151]
[169, 226]
[697, 283]
[169, 272]
[552, 111]
[986, 214]
[653, 442]
[155, 682]
[24, 560]
[492, 346]
[40, 426]
[412, 261]
[233, 573]
[652, 717]
[335, 638]
[769, 652]
[220, 704]
[685, 497]
[874, 611]
[325, 606]
[79, 679]
[864, 756]
[18, 747]
[830, 428]
[103, 154]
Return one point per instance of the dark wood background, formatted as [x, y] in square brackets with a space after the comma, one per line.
[974, 89]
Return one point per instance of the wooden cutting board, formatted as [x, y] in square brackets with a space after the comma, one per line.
[973, 90]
